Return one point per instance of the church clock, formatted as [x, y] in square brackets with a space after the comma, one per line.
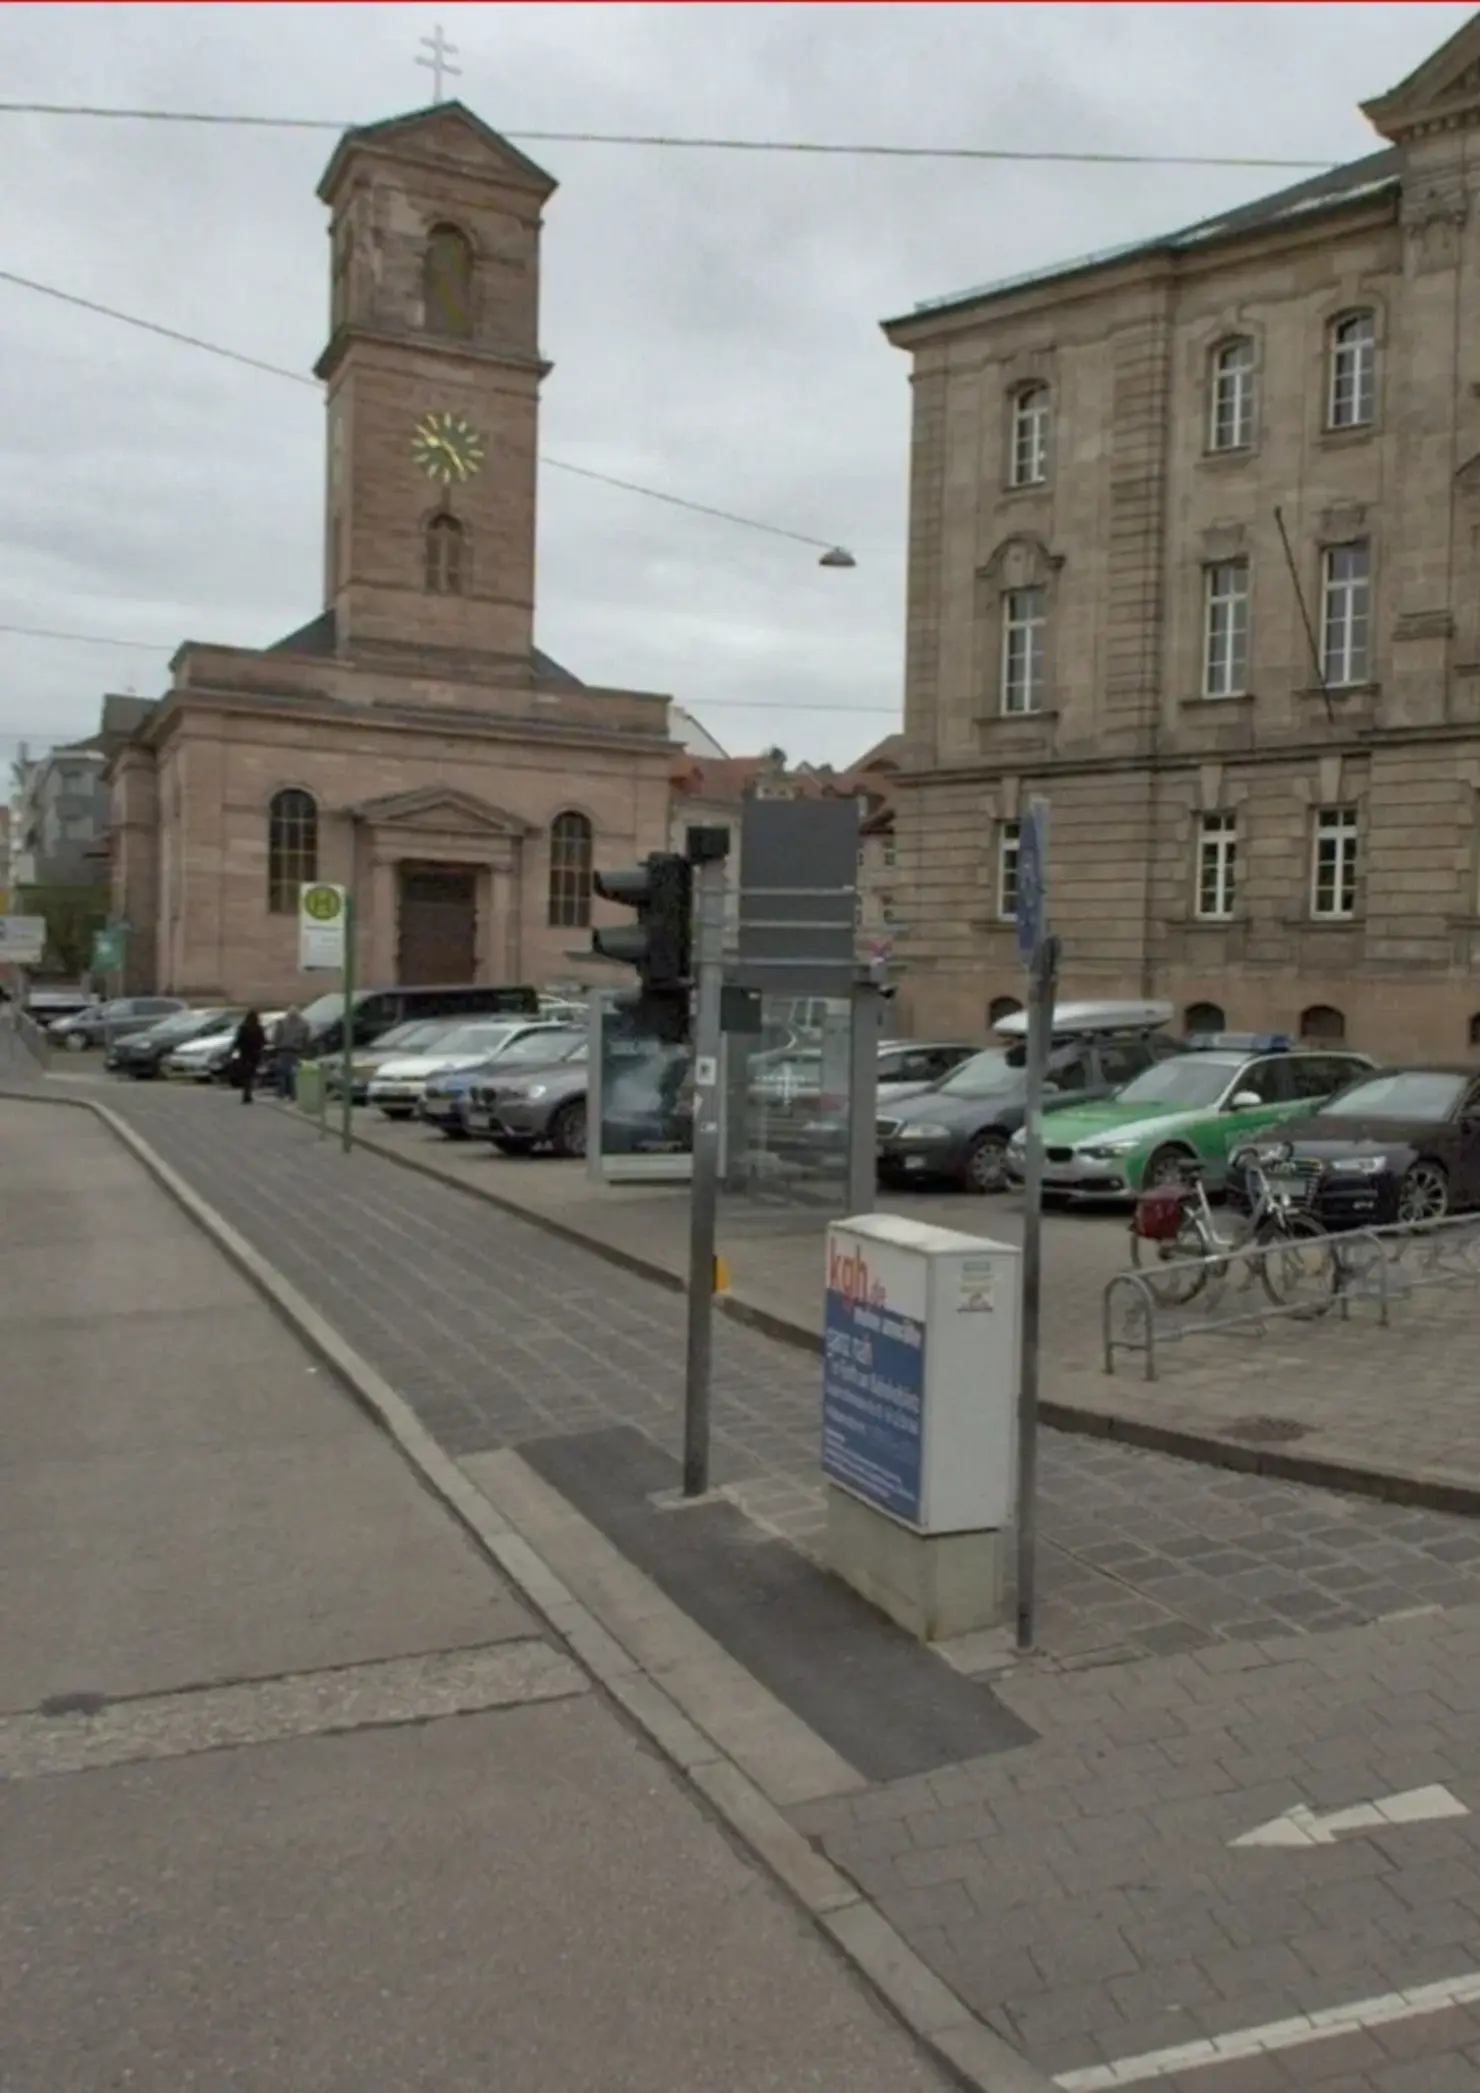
[447, 447]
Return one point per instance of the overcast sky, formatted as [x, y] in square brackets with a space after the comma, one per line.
[712, 317]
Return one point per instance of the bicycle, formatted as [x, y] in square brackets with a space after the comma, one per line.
[1176, 1223]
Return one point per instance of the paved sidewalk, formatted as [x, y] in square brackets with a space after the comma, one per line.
[1256, 1648]
[293, 1793]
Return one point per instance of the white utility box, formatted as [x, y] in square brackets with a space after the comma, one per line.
[919, 1419]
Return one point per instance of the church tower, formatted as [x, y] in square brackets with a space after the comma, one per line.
[433, 372]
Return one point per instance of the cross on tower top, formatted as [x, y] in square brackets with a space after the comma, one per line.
[438, 62]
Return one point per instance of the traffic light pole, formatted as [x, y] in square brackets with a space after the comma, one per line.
[709, 956]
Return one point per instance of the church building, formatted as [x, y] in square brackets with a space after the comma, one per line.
[410, 741]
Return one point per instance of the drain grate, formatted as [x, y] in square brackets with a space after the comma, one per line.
[1264, 1431]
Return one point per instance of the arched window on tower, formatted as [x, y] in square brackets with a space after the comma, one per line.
[570, 872]
[447, 283]
[1001, 1007]
[1322, 1025]
[292, 848]
[446, 547]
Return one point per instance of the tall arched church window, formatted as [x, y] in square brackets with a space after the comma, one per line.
[447, 283]
[570, 872]
[292, 848]
[446, 548]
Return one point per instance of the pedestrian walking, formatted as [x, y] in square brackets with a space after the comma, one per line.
[292, 1043]
[246, 1053]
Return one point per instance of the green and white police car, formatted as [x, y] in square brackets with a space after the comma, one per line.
[1203, 1104]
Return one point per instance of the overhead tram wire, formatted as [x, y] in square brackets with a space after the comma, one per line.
[662, 142]
[108, 639]
[279, 370]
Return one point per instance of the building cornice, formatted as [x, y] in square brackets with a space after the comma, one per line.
[1307, 749]
[205, 700]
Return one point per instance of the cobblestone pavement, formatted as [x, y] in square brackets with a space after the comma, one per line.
[1222, 1650]
[1353, 1393]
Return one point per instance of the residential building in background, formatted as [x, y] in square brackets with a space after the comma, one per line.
[411, 739]
[59, 819]
[1193, 542]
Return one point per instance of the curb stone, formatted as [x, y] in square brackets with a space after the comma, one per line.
[1420, 1488]
[972, 2053]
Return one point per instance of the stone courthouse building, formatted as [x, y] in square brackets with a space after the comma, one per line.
[410, 739]
[1195, 554]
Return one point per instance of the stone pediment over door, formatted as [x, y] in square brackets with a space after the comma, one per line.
[444, 809]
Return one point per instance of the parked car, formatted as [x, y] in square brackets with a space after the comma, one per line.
[959, 1129]
[1200, 1108]
[143, 1054]
[53, 1006]
[446, 1099]
[375, 1010]
[1402, 1144]
[905, 1066]
[397, 1085]
[101, 1023]
[207, 1058]
[415, 1036]
[543, 1107]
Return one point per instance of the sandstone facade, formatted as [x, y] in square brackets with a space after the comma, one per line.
[410, 741]
[1194, 554]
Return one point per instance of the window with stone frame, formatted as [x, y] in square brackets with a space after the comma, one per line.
[1024, 649]
[571, 859]
[1225, 629]
[1231, 396]
[1009, 845]
[292, 848]
[1333, 872]
[445, 556]
[1346, 613]
[1351, 388]
[1032, 415]
[1217, 867]
[447, 283]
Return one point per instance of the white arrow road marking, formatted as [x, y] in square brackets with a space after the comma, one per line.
[1302, 1827]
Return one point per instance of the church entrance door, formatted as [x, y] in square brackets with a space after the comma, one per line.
[438, 925]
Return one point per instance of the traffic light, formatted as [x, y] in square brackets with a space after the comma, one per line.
[660, 890]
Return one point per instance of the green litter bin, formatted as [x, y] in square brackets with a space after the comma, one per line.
[308, 1088]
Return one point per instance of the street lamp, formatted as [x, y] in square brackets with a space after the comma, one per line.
[839, 556]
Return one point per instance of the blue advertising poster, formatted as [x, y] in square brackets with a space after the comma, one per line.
[873, 1399]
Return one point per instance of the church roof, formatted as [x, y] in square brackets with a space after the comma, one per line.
[318, 639]
[392, 130]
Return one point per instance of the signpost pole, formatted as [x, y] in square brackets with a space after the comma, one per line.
[346, 1073]
[1040, 952]
[709, 887]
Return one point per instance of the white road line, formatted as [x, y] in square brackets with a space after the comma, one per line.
[1302, 1827]
[1273, 2036]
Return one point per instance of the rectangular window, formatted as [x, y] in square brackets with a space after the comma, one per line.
[1226, 630]
[1231, 409]
[1333, 885]
[1346, 613]
[1024, 615]
[1008, 839]
[1217, 867]
[1353, 396]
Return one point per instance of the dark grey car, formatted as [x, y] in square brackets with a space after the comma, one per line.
[535, 1107]
[102, 1023]
[959, 1129]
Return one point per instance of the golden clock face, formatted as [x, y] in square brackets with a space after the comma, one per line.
[447, 447]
